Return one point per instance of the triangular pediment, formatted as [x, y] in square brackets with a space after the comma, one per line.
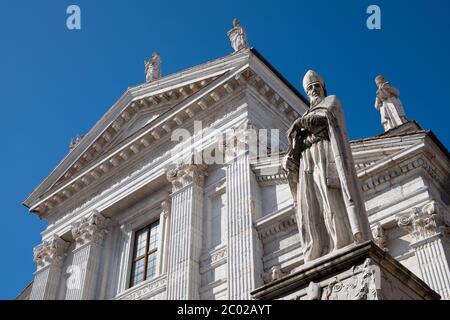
[145, 113]
[137, 106]
[368, 152]
[374, 152]
[140, 120]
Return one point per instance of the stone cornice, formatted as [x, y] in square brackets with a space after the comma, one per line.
[51, 252]
[278, 227]
[416, 156]
[271, 179]
[276, 222]
[199, 72]
[372, 155]
[394, 170]
[285, 88]
[390, 160]
[268, 170]
[419, 152]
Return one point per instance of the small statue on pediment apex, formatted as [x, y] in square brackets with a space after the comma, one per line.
[238, 36]
[389, 104]
[153, 67]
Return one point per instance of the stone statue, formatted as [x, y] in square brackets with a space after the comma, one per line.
[389, 105]
[237, 36]
[75, 141]
[153, 67]
[321, 173]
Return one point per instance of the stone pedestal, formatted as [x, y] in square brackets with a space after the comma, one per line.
[359, 272]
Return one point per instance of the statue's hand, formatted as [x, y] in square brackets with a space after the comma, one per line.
[289, 164]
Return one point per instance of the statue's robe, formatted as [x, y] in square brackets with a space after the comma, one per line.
[238, 38]
[330, 209]
[390, 107]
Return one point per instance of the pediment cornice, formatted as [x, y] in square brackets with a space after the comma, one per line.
[415, 151]
[193, 98]
[377, 160]
[180, 84]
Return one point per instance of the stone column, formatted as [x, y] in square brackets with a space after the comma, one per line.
[245, 266]
[186, 232]
[428, 229]
[49, 257]
[88, 235]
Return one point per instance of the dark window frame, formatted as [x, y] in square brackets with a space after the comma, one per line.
[147, 252]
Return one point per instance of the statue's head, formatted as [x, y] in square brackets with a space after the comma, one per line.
[155, 55]
[379, 80]
[236, 22]
[314, 87]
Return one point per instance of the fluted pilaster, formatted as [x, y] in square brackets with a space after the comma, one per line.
[429, 232]
[186, 231]
[88, 234]
[244, 247]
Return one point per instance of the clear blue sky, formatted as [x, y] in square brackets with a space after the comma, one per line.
[55, 83]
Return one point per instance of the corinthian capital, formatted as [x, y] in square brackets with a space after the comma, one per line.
[50, 252]
[90, 229]
[186, 174]
[425, 222]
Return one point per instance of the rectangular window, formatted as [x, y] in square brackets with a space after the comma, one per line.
[144, 254]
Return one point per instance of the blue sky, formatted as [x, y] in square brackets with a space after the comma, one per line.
[55, 83]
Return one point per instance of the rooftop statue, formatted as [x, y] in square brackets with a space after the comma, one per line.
[330, 209]
[75, 141]
[153, 67]
[237, 36]
[389, 105]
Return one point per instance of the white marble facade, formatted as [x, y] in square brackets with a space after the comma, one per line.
[224, 229]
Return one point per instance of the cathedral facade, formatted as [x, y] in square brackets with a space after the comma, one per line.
[166, 197]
